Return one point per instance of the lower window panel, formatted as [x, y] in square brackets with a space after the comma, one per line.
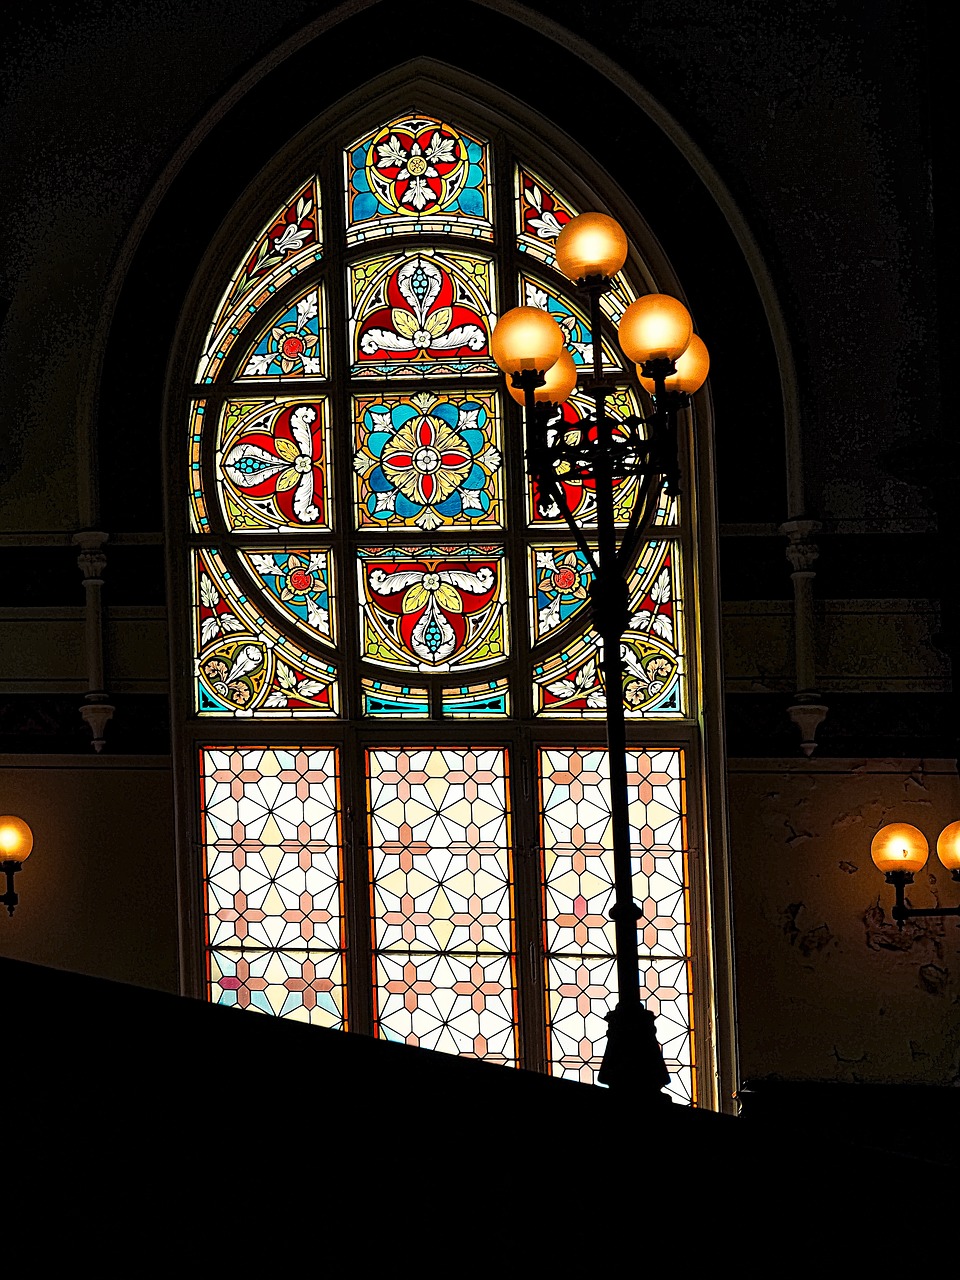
[442, 890]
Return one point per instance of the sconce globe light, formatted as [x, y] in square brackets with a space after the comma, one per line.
[16, 839]
[525, 339]
[899, 850]
[693, 365]
[16, 845]
[899, 847]
[559, 381]
[948, 847]
[592, 244]
[655, 327]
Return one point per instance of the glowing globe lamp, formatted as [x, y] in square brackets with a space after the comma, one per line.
[591, 245]
[16, 839]
[526, 338]
[656, 327]
[948, 846]
[899, 847]
[692, 369]
[561, 378]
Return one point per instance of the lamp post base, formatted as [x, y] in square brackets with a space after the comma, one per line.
[632, 1060]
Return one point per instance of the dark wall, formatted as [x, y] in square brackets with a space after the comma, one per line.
[132, 128]
[790, 158]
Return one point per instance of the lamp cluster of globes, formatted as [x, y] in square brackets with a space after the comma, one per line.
[901, 847]
[590, 250]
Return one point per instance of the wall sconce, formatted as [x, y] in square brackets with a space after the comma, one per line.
[898, 850]
[16, 844]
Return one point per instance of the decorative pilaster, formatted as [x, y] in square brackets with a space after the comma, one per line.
[808, 710]
[96, 710]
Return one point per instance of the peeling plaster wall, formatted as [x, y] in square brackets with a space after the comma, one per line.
[828, 987]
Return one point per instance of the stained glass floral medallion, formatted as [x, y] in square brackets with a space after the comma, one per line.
[561, 578]
[289, 242]
[410, 702]
[299, 584]
[273, 881]
[443, 899]
[291, 346]
[417, 173]
[570, 682]
[579, 891]
[433, 608]
[541, 216]
[426, 314]
[272, 463]
[244, 665]
[428, 460]
[572, 321]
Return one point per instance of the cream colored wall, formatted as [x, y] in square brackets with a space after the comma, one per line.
[98, 893]
[828, 987]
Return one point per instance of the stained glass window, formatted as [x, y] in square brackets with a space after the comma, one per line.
[272, 870]
[396, 687]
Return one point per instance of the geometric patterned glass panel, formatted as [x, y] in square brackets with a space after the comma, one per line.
[443, 900]
[272, 880]
[579, 892]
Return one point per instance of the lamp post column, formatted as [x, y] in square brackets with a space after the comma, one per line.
[632, 1057]
[656, 332]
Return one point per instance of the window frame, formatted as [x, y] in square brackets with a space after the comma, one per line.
[514, 135]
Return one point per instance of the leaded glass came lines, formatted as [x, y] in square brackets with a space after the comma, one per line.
[435, 608]
[365, 550]
[243, 663]
[293, 345]
[289, 242]
[442, 893]
[422, 314]
[569, 682]
[273, 464]
[578, 885]
[272, 874]
[427, 460]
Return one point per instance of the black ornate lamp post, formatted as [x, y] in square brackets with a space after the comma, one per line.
[655, 332]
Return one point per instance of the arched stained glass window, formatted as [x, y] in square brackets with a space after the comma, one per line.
[397, 707]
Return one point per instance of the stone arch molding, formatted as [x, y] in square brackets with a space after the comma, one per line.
[407, 87]
[552, 33]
